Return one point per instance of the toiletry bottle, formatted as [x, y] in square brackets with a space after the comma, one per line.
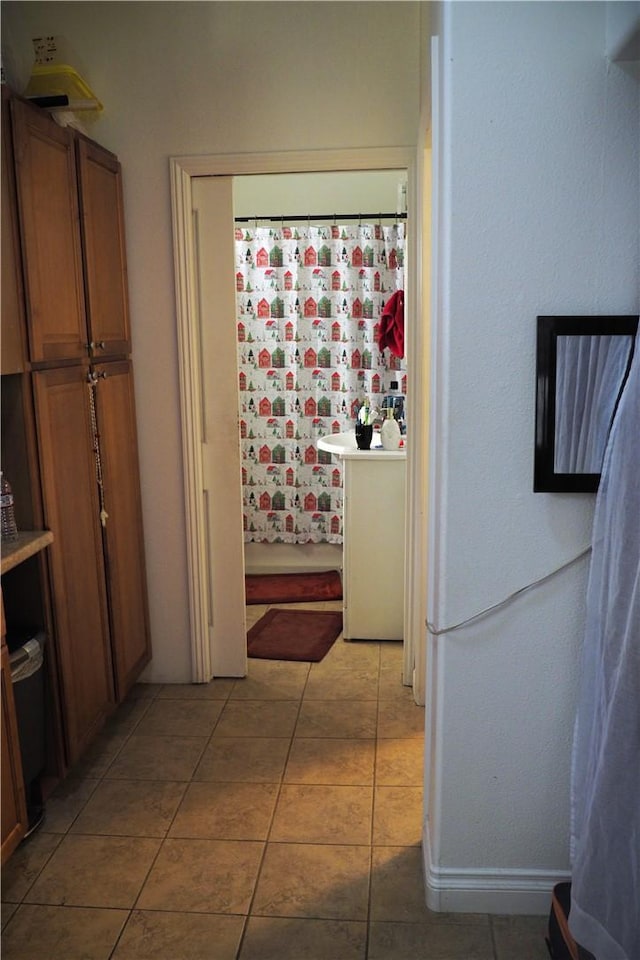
[8, 526]
[390, 431]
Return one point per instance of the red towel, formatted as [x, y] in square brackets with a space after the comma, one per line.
[392, 325]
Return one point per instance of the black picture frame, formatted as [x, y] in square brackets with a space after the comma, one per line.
[549, 328]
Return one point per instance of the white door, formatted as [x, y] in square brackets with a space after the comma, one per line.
[221, 465]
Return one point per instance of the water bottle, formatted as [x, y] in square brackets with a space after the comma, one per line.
[8, 527]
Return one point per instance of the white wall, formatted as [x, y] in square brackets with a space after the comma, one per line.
[183, 78]
[537, 162]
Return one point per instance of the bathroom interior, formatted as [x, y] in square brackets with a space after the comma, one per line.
[320, 200]
[318, 368]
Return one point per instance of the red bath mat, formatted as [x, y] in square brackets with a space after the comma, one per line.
[293, 587]
[294, 634]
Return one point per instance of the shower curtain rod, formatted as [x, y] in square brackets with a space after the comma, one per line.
[325, 216]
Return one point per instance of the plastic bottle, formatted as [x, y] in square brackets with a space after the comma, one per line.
[390, 431]
[8, 528]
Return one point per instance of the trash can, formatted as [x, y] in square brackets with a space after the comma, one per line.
[26, 658]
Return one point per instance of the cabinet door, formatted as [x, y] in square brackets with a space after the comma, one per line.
[14, 810]
[103, 249]
[13, 348]
[71, 512]
[50, 231]
[123, 537]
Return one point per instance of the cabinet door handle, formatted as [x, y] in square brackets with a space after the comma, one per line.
[97, 345]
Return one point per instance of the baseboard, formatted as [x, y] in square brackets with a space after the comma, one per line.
[487, 890]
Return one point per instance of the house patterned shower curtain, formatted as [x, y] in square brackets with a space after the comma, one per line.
[309, 303]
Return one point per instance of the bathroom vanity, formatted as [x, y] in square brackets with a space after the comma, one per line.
[374, 537]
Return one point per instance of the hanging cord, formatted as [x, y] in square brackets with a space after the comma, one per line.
[503, 603]
[96, 447]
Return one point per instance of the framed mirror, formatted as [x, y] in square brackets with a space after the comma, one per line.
[581, 367]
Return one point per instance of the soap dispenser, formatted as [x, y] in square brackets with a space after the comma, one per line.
[390, 432]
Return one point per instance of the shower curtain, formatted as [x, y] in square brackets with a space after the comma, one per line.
[605, 908]
[309, 302]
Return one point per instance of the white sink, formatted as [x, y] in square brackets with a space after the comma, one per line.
[340, 443]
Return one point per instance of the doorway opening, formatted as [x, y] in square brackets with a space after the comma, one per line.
[216, 569]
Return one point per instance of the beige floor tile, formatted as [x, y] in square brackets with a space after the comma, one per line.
[168, 936]
[420, 941]
[244, 759]
[400, 762]
[157, 758]
[130, 808]
[62, 933]
[66, 802]
[128, 715]
[23, 868]
[273, 938]
[257, 718]
[400, 719]
[144, 690]
[226, 811]
[337, 718]
[313, 880]
[397, 886]
[255, 612]
[217, 689]
[95, 872]
[521, 937]
[397, 816]
[353, 654]
[180, 718]
[272, 680]
[341, 683]
[334, 761]
[97, 759]
[323, 814]
[203, 876]
[8, 910]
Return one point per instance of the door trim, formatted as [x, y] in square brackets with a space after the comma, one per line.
[182, 170]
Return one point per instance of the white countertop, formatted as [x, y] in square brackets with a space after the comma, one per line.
[344, 445]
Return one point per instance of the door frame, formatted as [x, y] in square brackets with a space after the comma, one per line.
[182, 170]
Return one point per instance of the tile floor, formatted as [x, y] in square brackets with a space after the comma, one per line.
[277, 816]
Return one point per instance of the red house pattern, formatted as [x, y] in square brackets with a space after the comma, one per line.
[279, 455]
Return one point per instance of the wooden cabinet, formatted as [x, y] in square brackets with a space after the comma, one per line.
[72, 512]
[45, 167]
[13, 329]
[80, 459]
[105, 267]
[122, 531]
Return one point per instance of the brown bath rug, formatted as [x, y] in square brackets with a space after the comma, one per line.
[294, 635]
[293, 587]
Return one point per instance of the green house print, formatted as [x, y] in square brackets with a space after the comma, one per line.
[324, 407]
[277, 357]
[367, 309]
[368, 257]
[277, 308]
[324, 502]
[324, 357]
[275, 257]
[366, 359]
[278, 454]
[324, 307]
[278, 501]
[324, 256]
[278, 410]
[324, 456]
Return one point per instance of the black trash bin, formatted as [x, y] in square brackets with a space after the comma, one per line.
[26, 657]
